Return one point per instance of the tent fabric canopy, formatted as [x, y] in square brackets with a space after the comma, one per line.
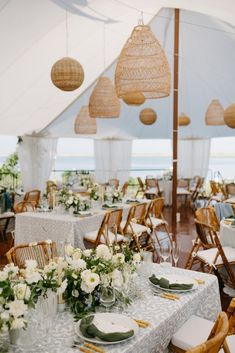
[33, 38]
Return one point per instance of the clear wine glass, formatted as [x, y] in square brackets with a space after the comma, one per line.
[165, 250]
[176, 252]
[107, 297]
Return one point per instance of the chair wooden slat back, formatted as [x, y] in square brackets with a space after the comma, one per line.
[216, 338]
[151, 183]
[231, 317]
[230, 188]
[139, 212]
[24, 206]
[124, 188]
[157, 206]
[33, 195]
[205, 234]
[114, 218]
[141, 184]
[42, 252]
[184, 183]
[208, 216]
[214, 187]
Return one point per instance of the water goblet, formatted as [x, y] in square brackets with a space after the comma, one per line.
[107, 297]
[165, 251]
[176, 252]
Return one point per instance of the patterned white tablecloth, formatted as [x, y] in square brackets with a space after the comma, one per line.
[166, 187]
[227, 235]
[36, 226]
[165, 317]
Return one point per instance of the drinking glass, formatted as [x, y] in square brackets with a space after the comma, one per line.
[176, 252]
[165, 251]
[107, 297]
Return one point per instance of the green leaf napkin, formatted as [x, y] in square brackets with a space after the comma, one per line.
[164, 283]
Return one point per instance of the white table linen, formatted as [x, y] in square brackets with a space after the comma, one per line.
[227, 235]
[165, 317]
[166, 187]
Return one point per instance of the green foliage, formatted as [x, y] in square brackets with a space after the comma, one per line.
[11, 164]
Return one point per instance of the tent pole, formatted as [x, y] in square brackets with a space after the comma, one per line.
[175, 121]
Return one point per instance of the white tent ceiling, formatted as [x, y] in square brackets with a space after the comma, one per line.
[33, 37]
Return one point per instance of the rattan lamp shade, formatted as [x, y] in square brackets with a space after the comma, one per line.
[142, 66]
[215, 113]
[184, 120]
[229, 116]
[134, 98]
[67, 74]
[84, 124]
[104, 102]
[148, 116]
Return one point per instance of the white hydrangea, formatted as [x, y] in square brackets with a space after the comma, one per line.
[69, 249]
[22, 291]
[87, 252]
[5, 315]
[17, 308]
[103, 252]
[3, 276]
[79, 265]
[32, 276]
[118, 258]
[31, 264]
[117, 278]
[11, 269]
[77, 254]
[136, 258]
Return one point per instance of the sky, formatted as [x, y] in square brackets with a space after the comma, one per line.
[66, 146]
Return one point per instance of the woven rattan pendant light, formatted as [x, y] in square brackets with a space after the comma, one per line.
[84, 124]
[229, 116]
[142, 66]
[215, 113]
[104, 102]
[148, 116]
[184, 120]
[134, 98]
[67, 73]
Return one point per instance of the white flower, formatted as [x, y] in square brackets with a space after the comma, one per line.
[50, 267]
[118, 258]
[5, 316]
[31, 264]
[49, 241]
[87, 252]
[11, 269]
[17, 308]
[75, 293]
[78, 264]
[18, 323]
[3, 276]
[77, 254]
[4, 328]
[32, 276]
[136, 258]
[117, 279]
[22, 291]
[115, 194]
[89, 281]
[33, 243]
[70, 192]
[70, 200]
[69, 249]
[102, 252]
[62, 287]
[85, 273]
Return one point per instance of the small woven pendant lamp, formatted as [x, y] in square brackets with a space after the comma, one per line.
[148, 116]
[142, 66]
[215, 113]
[67, 74]
[134, 98]
[184, 120]
[229, 116]
[84, 124]
[104, 102]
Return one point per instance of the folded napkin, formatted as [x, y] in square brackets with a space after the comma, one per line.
[164, 283]
[105, 205]
[223, 210]
[132, 201]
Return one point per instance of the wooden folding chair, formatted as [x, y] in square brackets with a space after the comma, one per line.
[33, 196]
[25, 206]
[141, 187]
[105, 234]
[41, 251]
[124, 188]
[152, 188]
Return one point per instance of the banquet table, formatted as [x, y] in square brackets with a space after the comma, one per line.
[227, 234]
[165, 316]
[35, 226]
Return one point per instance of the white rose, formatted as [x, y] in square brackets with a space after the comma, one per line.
[89, 282]
[87, 252]
[17, 308]
[136, 257]
[18, 323]
[69, 249]
[102, 252]
[118, 258]
[5, 316]
[117, 279]
[3, 276]
[62, 287]
[22, 291]
[77, 254]
[31, 264]
[32, 276]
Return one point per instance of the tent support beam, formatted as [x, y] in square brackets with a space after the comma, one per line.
[175, 121]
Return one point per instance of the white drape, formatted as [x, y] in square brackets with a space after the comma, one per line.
[112, 160]
[36, 157]
[193, 157]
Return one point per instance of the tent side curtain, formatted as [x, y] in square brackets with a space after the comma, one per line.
[193, 157]
[112, 160]
[36, 158]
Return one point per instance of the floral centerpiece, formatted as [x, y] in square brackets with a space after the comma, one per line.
[115, 196]
[94, 192]
[69, 199]
[89, 270]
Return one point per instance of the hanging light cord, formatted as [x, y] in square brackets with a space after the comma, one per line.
[104, 45]
[67, 32]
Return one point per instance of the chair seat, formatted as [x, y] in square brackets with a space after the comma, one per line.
[91, 236]
[230, 200]
[183, 191]
[156, 222]
[193, 332]
[137, 228]
[208, 256]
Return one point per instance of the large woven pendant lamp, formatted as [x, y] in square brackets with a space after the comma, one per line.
[184, 120]
[148, 116]
[134, 98]
[229, 116]
[215, 113]
[104, 102]
[142, 66]
[84, 124]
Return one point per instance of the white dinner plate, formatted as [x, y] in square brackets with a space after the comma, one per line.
[111, 320]
[177, 279]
